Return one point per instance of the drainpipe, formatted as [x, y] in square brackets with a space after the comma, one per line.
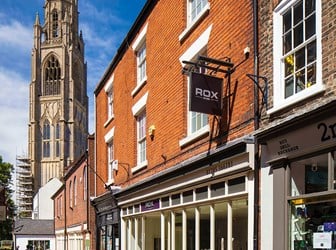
[65, 217]
[256, 124]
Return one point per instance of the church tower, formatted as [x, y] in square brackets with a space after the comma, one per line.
[58, 102]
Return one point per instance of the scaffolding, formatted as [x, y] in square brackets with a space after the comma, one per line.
[24, 187]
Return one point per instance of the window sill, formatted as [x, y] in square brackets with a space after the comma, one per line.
[193, 137]
[139, 86]
[140, 166]
[108, 121]
[296, 98]
[192, 25]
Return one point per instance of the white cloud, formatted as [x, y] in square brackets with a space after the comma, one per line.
[14, 115]
[16, 35]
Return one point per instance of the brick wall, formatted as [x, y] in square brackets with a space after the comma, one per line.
[166, 105]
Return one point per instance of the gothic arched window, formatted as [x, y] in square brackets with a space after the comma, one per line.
[46, 139]
[57, 139]
[52, 77]
[54, 24]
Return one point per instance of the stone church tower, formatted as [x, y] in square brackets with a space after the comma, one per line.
[58, 102]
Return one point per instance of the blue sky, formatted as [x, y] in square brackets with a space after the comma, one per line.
[104, 24]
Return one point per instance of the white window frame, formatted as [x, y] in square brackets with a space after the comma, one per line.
[137, 111]
[279, 100]
[110, 155]
[197, 47]
[138, 46]
[191, 23]
[110, 99]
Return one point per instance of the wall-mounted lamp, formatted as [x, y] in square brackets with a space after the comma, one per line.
[151, 131]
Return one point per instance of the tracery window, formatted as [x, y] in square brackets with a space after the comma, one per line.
[52, 77]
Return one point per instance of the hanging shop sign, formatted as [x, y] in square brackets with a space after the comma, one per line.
[205, 94]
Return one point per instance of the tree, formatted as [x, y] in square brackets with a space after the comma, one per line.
[5, 184]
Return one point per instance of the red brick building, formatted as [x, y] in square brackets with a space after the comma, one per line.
[176, 178]
[74, 216]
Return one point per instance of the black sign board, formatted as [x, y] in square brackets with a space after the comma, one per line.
[205, 94]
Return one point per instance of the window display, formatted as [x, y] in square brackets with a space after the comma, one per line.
[313, 203]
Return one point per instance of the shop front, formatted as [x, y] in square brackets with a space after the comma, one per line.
[299, 168]
[204, 203]
[107, 222]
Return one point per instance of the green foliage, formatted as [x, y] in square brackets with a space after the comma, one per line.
[6, 226]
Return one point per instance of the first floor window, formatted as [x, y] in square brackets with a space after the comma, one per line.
[110, 149]
[141, 126]
[197, 121]
[297, 39]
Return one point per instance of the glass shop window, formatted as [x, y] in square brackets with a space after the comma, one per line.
[312, 175]
[312, 205]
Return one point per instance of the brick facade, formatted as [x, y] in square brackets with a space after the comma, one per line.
[74, 215]
[173, 159]
[166, 107]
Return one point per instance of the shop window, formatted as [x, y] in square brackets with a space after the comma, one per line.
[165, 201]
[236, 185]
[190, 237]
[176, 199]
[312, 203]
[217, 189]
[297, 56]
[137, 208]
[239, 228]
[130, 210]
[38, 244]
[310, 175]
[124, 211]
[188, 196]
[202, 193]
[205, 232]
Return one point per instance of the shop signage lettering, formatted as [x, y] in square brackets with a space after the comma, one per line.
[328, 131]
[220, 166]
[285, 147]
[104, 208]
[307, 138]
[205, 94]
[150, 205]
